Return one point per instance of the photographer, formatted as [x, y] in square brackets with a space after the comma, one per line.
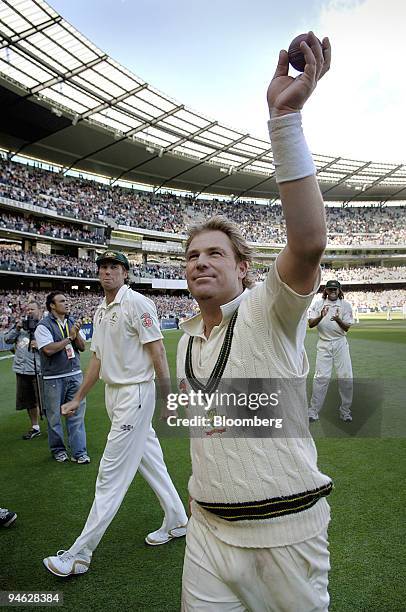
[26, 369]
[59, 341]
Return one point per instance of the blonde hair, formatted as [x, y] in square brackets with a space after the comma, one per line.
[241, 248]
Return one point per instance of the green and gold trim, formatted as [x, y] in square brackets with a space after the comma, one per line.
[268, 508]
[218, 370]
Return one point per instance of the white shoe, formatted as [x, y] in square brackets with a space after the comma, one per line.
[313, 416]
[83, 459]
[65, 564]
[162, 536]
[61, 456]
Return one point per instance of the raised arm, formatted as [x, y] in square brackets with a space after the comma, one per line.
[302, 203]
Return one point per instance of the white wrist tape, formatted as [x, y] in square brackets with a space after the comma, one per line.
[292, 157]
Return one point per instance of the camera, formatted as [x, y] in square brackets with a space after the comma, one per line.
[30, 324]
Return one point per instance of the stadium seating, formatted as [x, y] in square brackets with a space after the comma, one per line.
[92, 201]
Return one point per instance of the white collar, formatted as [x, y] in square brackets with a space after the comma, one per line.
[195, 325]
[119, 296]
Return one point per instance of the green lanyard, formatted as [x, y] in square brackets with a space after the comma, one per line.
[63, 329]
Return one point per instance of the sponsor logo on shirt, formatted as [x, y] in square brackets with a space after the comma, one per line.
[127, 427]
[146, 320]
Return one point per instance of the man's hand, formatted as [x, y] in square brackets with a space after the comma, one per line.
[287, 94]
[70, 408]
[75, 330]
[165, 412]
[33, 345]
[324, 311]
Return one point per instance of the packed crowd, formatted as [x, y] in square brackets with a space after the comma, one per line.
[377, 301]
[38, 263]
[90, 200]
[59, 265]
[167, 271]
[370, 274]
[53, 229]
[83, 305]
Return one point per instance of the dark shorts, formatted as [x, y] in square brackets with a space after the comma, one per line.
[26, 395]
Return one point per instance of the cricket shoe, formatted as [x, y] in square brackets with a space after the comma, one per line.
[33, 433]
[7, 517]
[61, 457]
[313, 416]
[162, 536]
[83, 459]
[65, 564]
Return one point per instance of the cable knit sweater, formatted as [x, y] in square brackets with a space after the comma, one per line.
[268, 343]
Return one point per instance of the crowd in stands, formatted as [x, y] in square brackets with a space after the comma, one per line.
[53, 229]
[174, 272]
[377, 301]
[91, 200]
[83, 305]
[38, 263]
[182, 307]
[370, 274]
[60, 265]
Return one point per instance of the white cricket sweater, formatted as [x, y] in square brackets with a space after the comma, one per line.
[268, 343]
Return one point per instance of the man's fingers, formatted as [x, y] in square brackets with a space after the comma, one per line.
[282, 68]
[317, 50]
[326, 48]
[311, 65]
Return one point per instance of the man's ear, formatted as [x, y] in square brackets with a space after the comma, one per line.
[242, 269]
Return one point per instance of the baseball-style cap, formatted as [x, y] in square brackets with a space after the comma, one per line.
[333, 284]
[113, 256]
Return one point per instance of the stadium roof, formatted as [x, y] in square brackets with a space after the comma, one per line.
[65, 101]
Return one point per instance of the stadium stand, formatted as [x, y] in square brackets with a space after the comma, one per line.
[16, 260]
[37, 226]
[166, 212]
[83, 305]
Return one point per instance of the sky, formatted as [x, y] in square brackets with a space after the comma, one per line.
[218, 56]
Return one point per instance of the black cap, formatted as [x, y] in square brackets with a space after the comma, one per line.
[113, 256]
[333, 284]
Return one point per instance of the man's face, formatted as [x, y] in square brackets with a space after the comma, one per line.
[112, 275]
[212, 271]
[332, 294]
[32, 310]
[60, 306]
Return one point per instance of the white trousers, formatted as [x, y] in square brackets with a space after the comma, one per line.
[329, 353]
[131, 445]
[218, 577]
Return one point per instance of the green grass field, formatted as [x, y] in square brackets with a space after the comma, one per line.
[367, 531]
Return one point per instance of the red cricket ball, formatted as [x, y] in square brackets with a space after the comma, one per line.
[296, 57]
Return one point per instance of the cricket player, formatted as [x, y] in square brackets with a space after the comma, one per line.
[257, 537]
[332, 315]
[126, 349]
[356, 313]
